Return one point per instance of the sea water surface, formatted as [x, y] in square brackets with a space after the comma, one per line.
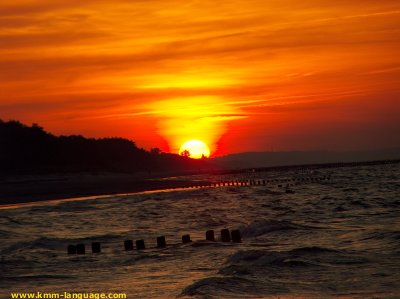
[337, 238]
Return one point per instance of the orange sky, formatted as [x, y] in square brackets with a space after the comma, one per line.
[239, 75]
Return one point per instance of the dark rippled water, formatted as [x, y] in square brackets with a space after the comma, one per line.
[329, 239]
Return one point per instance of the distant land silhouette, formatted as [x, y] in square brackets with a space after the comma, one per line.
[272, 159]
[36, 165]
[31, 150]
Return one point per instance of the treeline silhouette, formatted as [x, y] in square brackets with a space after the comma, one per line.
[31, 150]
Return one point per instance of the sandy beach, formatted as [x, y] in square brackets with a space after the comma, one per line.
[22, 189]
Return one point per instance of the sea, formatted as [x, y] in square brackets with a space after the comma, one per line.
[306, 233]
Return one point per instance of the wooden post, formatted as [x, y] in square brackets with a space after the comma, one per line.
[128, 244]
[140, 245]
[236, 237]
[186, 239]
[210, 235]
[71, 249]
[96, 247]
[225, 235]
[161, 243]
[80, 249]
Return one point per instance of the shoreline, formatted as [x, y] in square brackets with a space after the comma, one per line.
[35, 188]
[30, 189]
[70, 199]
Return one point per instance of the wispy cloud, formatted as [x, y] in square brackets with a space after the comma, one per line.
[194, 67]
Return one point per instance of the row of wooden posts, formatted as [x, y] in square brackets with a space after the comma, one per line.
[265, 182]
[226, 236]
[262, 182]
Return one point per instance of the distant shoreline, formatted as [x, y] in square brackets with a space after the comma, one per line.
[55, 187]
[35, 188]
[309, 166]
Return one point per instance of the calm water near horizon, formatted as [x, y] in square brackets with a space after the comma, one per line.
[329, 239]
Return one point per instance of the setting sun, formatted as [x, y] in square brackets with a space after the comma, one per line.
[194, 149]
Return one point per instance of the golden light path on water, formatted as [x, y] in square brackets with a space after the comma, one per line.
[52, 202]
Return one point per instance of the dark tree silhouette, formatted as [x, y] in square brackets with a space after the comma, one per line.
[155, 151]
[25, 150]
[185, 153]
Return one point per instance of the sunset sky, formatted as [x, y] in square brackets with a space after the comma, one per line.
[239, 75]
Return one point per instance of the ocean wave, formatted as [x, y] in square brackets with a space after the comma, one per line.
[230, 287]
[266, 191]
[261, 228]
[25, 278]
[389, 204]
[313, 250]
[298, 257]
[204, 243]
[382, 235]
[259, 258]
[40, 243]
[360, 203]
[11, 220]
[340, 209]
[265, 264]
[4, 234]
[53, 243]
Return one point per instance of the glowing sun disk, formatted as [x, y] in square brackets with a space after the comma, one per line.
[195, 149]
